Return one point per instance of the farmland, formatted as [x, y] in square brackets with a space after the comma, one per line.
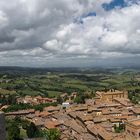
[52, 83]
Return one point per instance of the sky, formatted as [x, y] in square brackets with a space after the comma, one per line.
[69, 33]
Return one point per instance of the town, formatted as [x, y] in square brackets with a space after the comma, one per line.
[110, 115]
[69, 104]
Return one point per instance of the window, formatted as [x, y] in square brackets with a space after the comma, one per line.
[133, 133]
[128, 131]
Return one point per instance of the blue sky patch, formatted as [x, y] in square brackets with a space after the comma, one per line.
[118, 3]
[113, 4]
[79, 20]
[89, 14]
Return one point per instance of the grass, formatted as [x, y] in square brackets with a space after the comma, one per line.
[23, 133]
[52, 94]
[4, 91]
[79, 86]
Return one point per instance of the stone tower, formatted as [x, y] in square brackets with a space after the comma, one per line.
[2, 126]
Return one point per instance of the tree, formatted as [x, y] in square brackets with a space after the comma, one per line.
[120, 128]
[13, 132]
[32, 131]
[80, 99]
[3, 100]
[53, 134]
[11, 99]
[59, 99]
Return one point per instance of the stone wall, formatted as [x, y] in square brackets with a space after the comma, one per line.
[2, 126]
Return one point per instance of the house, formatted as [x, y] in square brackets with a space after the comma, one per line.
[99, 132]
[40, 100]
[52, 108]
[111, 112]
[74, 127]
[84, 117]
[115, 121]
[38, 121]
[136, 111]
[95, 111]
[99, 119]
[103, 134]
[35, 100]
[90, 101]
[73, 114]
[133, 129]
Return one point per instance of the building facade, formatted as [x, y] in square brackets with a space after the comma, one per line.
[133, 129]
[111, 94]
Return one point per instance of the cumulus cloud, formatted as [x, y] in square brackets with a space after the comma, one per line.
[66, 32]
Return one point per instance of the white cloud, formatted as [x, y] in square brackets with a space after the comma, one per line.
[52, 45]
[114, 39]
[3, 19]
[49, 30]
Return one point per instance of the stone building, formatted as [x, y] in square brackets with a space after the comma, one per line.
[2, 127]
[111, 94]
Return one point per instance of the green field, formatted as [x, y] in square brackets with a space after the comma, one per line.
[52, 84]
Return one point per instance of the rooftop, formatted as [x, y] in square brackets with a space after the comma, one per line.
[135, 122]
[136, 110]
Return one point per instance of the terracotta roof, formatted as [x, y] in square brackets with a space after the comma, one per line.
[123, 117]
[49, 124]
[103, 133]
[74, 125]
[37, 113]
[38, 121]
[85, 136]
[123, 101]
[4, 107]
[44, 114]
[113, 120]
[125, 111]
[84, 117]
[135, 122]
[106, 111]
[98, 130]
[51, 108]
[93, 109]
[108, 104]
[21, 112]
[99, 119]
[89, 122]
[92, 129]
[62, 116]
[38, 97]
[120, 137]
[73, 114]
[79, 107]
[136, 110]
[30, 116]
